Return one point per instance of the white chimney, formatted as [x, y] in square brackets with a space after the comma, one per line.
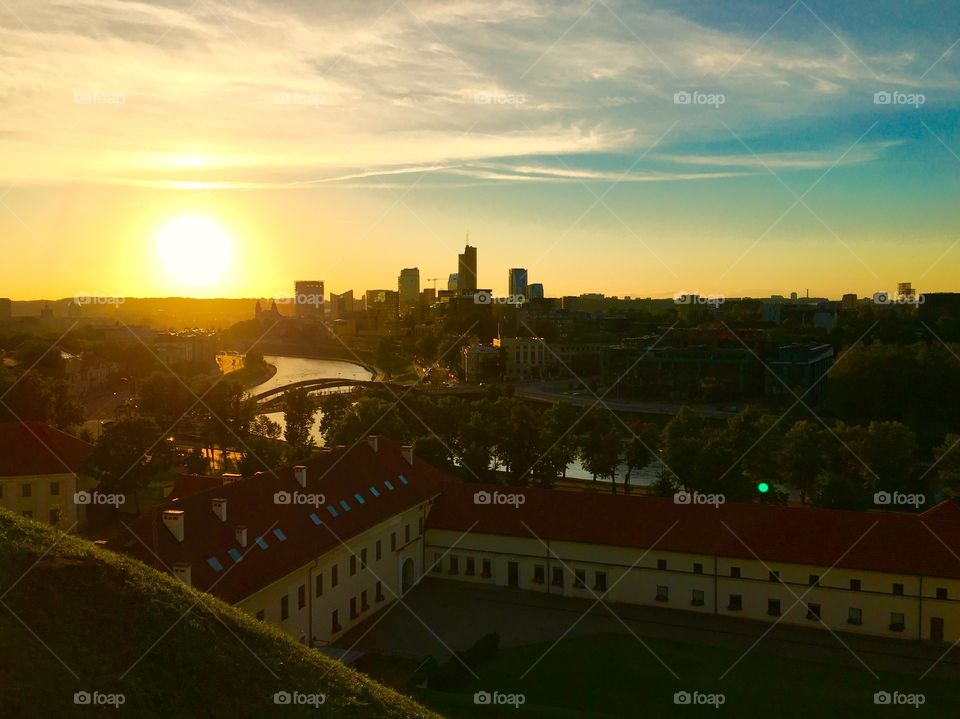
[372, 441]
[300, 472]
[182, 572]
[219, 505]
[407, 452]
[241, 534]
[173, 520]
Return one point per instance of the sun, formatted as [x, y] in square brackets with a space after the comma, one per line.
[195, 250]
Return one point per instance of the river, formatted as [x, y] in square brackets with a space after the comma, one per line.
[295, 369]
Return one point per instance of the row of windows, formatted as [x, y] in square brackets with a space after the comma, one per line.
[854, 614]
[600, 577]
[335, 574]
[26, 489]
[357, 604]
[54, 514]
[813, 579]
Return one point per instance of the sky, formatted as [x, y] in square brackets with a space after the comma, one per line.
[629, 148]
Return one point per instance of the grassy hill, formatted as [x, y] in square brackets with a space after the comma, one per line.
[69, 608]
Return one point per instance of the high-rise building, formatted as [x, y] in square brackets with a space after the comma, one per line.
[409, 285]
[905, 289]
[535, 291]
[517, 281]
[308, 298]
[453, 282]
[383, 310]
[428, 296]
[467, 269]
[341, 306]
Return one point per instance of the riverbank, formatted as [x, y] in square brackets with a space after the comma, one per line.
[249, 377]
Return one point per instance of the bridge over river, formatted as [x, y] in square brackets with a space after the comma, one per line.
[271, 400]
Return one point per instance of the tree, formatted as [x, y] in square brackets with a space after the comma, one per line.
[801, 457]
[682, 447]
[299, 409]
[640, 450]
[34, 396]
[600, 446]
[557, 443]
[947, 456]
[433, 452]
[231, 412]
[128, 454]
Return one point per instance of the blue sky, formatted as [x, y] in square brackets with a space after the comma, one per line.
[556, 132]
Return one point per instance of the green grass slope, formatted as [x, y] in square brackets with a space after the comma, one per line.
[69, 608]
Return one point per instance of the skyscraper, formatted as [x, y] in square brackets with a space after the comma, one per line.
[453, 282]
[517, 282]
[409, 285]
[905, 290]
[308, 298]
[536, 291]
[467, 269]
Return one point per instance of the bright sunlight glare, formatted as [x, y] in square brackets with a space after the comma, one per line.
[194, 250]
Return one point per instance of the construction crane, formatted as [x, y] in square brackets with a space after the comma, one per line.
[434, 280]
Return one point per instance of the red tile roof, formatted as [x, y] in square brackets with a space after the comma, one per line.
[896, 542]
[33, 448]
[337, 474]
[187, 484]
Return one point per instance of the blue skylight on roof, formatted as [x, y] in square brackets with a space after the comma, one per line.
[279, 535]
[314, 518]
[359, 498]
[262, 543]
[235, 555]
[215, 564]
[332, 510]
[403, 480]
[346, 507]
[389, 486]
[374, 492]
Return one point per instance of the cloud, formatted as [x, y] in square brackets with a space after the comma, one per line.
[275, 93]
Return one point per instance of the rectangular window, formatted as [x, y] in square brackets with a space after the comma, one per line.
[539, 574]
[736, 602]
[471, 567]
[393, 541]
[420, 527]
[735, 572]
[363, 558]
[813, 611]
[364, 604]
[661, 564]
[260, 616]
[663, 593]
[284, 607]
[773, 607]
[378, 550]
[774, 575]
[55, 515]
[335, 621]
[54, 489]
[579, 579]
[898, 589]
[379, 591]
[353, 608]
[855, 585]
[26, 490]
[320, 584]
[353, 564]
[697, 568]
[557, 577]
[897, 622]
[600, 581]
[697, 599]
[454, 565]
[487, 572]
[302, 596]
[334, 571]
[941, 592]
[437, 562]
[855, 616]
[28, 513]
[406, 534]
[814, 580]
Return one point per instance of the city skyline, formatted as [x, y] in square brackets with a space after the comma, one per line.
[697, 150]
